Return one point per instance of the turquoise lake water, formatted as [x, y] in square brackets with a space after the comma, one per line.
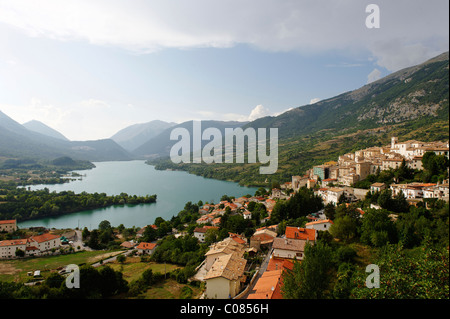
[173, 189]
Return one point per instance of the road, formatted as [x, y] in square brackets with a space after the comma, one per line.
[111, 259]
[78, 241]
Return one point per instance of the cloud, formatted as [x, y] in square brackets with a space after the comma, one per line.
[258, 112]
[373, 76]
[314, 100]
[410, 32]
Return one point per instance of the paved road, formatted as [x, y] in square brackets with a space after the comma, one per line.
[78, 241]
[111, 259]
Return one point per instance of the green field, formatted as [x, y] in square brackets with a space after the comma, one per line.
[132, 268]
[16, 270]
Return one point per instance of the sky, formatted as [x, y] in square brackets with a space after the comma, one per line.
[89, 68]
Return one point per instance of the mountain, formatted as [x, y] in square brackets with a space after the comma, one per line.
[160, 145]
[412, 103]
[16, 141]
[415, 93]
[40, 127]
[131, 137]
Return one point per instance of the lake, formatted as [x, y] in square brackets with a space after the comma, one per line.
[173, 189]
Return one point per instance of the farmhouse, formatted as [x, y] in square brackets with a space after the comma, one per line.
[145, 248]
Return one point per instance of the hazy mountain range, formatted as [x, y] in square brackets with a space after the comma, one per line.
[132, 137]
[412, 97]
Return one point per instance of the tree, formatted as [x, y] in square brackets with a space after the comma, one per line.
[20, 253]
[121, 259]
[377, 228]
[420, 275]
[344, 228]
[309, 279]
[93, 240]
[149, 234]
[85, 233]
[344, 281]
[104, 225]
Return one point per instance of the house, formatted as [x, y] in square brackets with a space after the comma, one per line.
[298, 182]
[377, 187]
[270, 283]
[288, 248]
[225, 247]
[276, 193]
[8, 226]
[205, 219]
[146, 248]
[333, 195]
[33, 246]
[308, 234]
[45, 242]
[439, 191]
[279, 263]
[8, 248]
[263, 238]
[268, 286]
[238, 238]
[128, 244]
[200, 232]
[225, 277]
[322, 225]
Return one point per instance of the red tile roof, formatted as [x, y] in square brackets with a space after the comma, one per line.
[144, 245]
[11, 221]
[268, 286]
[44, 237]
[13, 242]
[279, 264]
[300, 233]
[237, 238]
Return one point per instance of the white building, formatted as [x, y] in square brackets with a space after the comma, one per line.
[225, 277]
[33, 246]
[322, 225]
[333, 195]
[8, 248]
[289, 248]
